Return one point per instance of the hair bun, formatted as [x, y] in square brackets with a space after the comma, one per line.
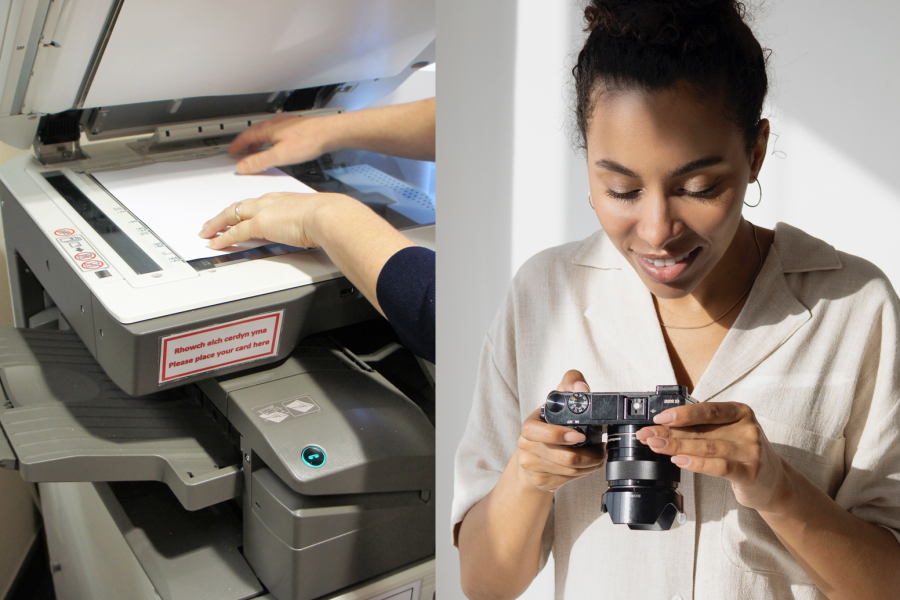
[685, 24]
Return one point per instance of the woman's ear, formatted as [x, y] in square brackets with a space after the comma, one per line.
[758, 154]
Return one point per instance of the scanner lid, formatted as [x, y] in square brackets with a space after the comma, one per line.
[59, 55]
[167, 49]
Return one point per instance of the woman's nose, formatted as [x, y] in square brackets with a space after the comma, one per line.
[657, 225]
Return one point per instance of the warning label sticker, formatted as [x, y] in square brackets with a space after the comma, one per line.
[219, 346]
[287, 409]
[76, 247]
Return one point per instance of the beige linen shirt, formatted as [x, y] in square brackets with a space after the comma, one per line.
[814, 352]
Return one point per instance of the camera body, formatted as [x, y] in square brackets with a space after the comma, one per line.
[643, 485]
[588, 412]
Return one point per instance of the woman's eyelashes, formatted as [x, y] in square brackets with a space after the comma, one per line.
[709, 192]
[627, 196]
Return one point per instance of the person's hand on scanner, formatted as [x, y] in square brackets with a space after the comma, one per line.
[356, 239]
[294, 140]
[301, 220]
[404, 130]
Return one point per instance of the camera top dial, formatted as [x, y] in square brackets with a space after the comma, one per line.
[578, 403]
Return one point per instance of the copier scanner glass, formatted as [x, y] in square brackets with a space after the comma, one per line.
[171, 200]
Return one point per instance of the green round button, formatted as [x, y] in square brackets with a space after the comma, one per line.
[313, 456]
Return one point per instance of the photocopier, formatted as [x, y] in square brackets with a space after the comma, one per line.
[237, 426]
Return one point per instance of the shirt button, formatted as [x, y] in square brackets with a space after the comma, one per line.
[677, 597]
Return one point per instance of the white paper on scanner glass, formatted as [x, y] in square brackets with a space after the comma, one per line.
[175, 199]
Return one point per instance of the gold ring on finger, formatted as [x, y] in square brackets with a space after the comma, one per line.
[237, 212]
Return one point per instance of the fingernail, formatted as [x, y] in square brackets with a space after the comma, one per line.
[663, 418]
[200, 234]
[645, 434]
[574, 437]
[681, 461]
[657, 442]
[581, 386]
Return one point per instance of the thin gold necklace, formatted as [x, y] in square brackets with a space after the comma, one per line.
[747, 291]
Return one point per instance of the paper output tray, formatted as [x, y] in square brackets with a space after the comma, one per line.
[67, 421]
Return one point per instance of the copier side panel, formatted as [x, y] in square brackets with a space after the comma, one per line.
[69, 292]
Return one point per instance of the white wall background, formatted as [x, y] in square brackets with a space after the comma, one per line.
[510, 183]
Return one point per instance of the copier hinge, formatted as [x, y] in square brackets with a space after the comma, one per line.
[213, 132]
[59, 138]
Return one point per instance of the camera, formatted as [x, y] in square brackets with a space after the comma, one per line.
[643, 486]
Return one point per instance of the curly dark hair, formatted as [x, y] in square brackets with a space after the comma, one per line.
[656, 44]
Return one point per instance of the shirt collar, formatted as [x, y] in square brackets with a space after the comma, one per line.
[799, 252]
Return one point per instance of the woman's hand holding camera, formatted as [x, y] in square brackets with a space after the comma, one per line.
[723, 439]
[500, 538]
[545, 456]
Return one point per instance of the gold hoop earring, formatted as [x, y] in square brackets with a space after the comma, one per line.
[590, 200]
[760, 196]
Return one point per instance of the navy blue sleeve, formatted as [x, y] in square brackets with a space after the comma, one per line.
[405, 291]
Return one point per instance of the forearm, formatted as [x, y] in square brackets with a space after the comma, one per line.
[358, 241]
[404, 130]
[845, 556]
[500, 538]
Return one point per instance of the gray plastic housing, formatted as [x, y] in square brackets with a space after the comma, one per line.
[67, 421]
[187, 555]
[303, 547]
[129, 353]
[306, 531]
[374, 437]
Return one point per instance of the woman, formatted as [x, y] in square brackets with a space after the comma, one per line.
[790, 457]
[394, 274]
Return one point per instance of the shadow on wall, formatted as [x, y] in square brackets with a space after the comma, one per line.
[474, 149]
[836, 72]
[833, 94]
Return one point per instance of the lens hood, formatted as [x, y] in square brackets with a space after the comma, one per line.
[648, 508]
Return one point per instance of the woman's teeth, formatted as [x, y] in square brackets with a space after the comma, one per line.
[667, 262]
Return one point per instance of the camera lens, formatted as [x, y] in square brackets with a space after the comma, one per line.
[643, 485]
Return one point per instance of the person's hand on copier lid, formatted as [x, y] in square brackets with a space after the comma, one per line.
[405, 130]
[357, 240]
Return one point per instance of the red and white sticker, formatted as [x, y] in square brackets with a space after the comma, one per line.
[212, 348]
[79, 250]
[64, 231]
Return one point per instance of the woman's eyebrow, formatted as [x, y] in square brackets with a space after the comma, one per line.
[696, 164]
[700, 163]
[610, 165]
